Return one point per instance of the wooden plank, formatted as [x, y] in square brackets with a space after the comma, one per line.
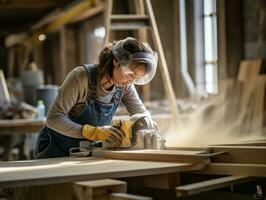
[240, 154]
[99, 189]
[126, 22]
[123, 196]
[107, 21]
[201, 149]
[249, 69]
[62, 170]
[258, 120]
[221, 42]
[241, 169]
[209, 185]
[21, 126]
[161, 155]
[246, 143]
[4, 94]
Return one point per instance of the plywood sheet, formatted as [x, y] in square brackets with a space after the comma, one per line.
[59, 170]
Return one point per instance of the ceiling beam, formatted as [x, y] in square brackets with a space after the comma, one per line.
[30, 3]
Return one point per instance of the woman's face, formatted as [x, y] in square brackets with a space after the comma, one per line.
[127, 75]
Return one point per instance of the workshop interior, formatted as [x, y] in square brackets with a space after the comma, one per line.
[132, 99]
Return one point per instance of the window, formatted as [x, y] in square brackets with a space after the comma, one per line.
[210, 46]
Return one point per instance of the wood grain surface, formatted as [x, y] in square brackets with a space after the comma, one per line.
[60, 170]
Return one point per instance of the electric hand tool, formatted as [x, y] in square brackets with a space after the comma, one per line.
[140, 132]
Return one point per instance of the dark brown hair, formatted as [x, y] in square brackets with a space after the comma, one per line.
[106, 67]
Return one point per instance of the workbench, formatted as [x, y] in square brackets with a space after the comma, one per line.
[71, 169]
[13, 132]
[20, 126]
[233, 164]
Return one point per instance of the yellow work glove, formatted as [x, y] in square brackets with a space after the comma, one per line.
[108, 134]
[125, 126]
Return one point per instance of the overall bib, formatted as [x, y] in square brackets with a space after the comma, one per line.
[52, 144]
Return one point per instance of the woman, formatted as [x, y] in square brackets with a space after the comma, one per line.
[88, 98]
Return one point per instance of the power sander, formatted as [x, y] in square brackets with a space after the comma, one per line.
[140, 133]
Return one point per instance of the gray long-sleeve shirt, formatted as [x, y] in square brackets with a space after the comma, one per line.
[71, 99]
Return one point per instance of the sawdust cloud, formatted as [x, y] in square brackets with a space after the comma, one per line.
[216, 121]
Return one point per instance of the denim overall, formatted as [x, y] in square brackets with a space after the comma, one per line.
[53, 144]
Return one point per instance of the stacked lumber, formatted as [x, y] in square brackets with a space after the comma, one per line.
[240, 163]
[245, 97]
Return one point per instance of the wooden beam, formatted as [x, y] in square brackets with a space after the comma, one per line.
[20, 126]
[68, 15]
[221, 42]
[99, 7]
[209, 185]
[123, 196]
[14, 39]
[161, 155]
[99, 189]
[246, 143]
[202, 149]
[29, 4]
[4, 94]
[241, 169]
[240, 154]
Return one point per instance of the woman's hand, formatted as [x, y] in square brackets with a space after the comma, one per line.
[109, 134]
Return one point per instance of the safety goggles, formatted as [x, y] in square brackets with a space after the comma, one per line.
[126, 59]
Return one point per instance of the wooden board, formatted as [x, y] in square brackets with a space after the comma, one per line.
[258, 119]
[193, 149]
[99, 189]
[249, 69]
[240, 154]
[194, 157]
[4, 94]
[203, 186]
[62, 170]
[256, 170]
[245, 143]
[20, 126]
[123, 196]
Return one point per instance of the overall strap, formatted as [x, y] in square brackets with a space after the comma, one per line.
[117, 95]
[92, 83]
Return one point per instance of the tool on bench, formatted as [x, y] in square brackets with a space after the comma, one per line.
[84, 149]
[140, 133]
